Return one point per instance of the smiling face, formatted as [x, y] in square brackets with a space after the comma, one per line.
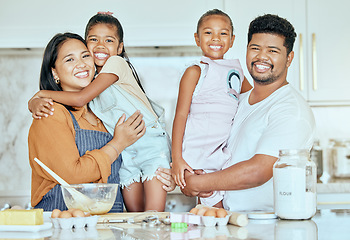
[74, 66]
[267, 59]
[215, 36]
[103, 42]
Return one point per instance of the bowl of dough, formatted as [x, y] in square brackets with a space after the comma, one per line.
[93, 198]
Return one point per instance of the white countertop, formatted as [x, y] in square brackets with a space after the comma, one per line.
[326, 225]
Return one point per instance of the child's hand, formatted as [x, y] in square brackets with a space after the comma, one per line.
[40, 107]
[178, 171]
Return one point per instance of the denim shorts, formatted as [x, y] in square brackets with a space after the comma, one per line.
[145, 156]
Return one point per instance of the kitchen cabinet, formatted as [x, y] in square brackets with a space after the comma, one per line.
[327, 39]
[31, 24]
[242, 13]
[318, 70]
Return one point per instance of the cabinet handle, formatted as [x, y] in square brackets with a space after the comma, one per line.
[314, 62]
[301, 63]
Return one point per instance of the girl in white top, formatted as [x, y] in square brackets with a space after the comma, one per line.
[207, 103]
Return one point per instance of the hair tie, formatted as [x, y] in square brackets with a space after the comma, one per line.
[107, 13]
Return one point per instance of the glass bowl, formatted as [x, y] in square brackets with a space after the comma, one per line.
[95, 198]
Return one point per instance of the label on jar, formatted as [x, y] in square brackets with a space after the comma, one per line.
[292, 200]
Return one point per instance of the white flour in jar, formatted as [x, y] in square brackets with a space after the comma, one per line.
[292, 200]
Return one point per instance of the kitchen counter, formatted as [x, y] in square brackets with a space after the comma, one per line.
[334, 185]
[327, 224]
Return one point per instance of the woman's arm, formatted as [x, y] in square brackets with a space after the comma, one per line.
[81, 98]
[187, 85]
[52, 140]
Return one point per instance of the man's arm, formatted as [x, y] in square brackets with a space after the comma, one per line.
[243, 175]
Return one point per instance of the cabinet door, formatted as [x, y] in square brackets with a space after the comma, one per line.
[328, 40]
[243, 12]
[162, 23]
[31, 24]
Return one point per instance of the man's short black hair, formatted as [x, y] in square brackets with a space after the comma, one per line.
[273, 24]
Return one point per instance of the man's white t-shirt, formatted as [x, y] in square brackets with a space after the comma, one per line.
[281, 121]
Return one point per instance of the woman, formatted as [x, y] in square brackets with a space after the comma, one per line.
[73, 142]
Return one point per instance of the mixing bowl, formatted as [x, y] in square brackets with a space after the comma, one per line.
[95, 198]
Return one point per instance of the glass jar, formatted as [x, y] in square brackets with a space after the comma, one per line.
[294, 182]
[339, 156]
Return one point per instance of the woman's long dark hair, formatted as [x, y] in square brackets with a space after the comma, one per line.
[47, 81]
[105, 18]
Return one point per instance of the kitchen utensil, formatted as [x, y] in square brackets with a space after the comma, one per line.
[80, 198]
[103, 196]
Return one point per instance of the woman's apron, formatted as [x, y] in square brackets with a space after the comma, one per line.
[86, 140]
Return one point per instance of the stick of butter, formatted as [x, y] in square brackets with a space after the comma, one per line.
[21, 217]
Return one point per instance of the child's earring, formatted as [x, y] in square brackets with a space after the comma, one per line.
[57, 80]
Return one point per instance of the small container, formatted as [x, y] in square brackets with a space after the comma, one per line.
[294, 181]
[339, 156]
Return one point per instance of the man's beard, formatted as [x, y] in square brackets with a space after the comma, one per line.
[263, 80]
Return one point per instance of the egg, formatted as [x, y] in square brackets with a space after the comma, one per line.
[221, 213]
[78, 213]
[210, 212]
[17, 207]
[202, 211]
[194, 211]
[71, 210]
[87, 214]
[65, 214]
[55, 213]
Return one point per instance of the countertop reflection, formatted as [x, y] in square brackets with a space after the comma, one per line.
[325, 225]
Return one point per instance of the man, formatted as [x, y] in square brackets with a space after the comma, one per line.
[270, 117]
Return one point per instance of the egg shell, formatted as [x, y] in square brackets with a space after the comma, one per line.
[17, 207]
[71, 210]
[210, 212]
[65, 214]
[87, 214]
[194, 211]
[202, 211]
[55, 213]
[78, 213]
[221, 213]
